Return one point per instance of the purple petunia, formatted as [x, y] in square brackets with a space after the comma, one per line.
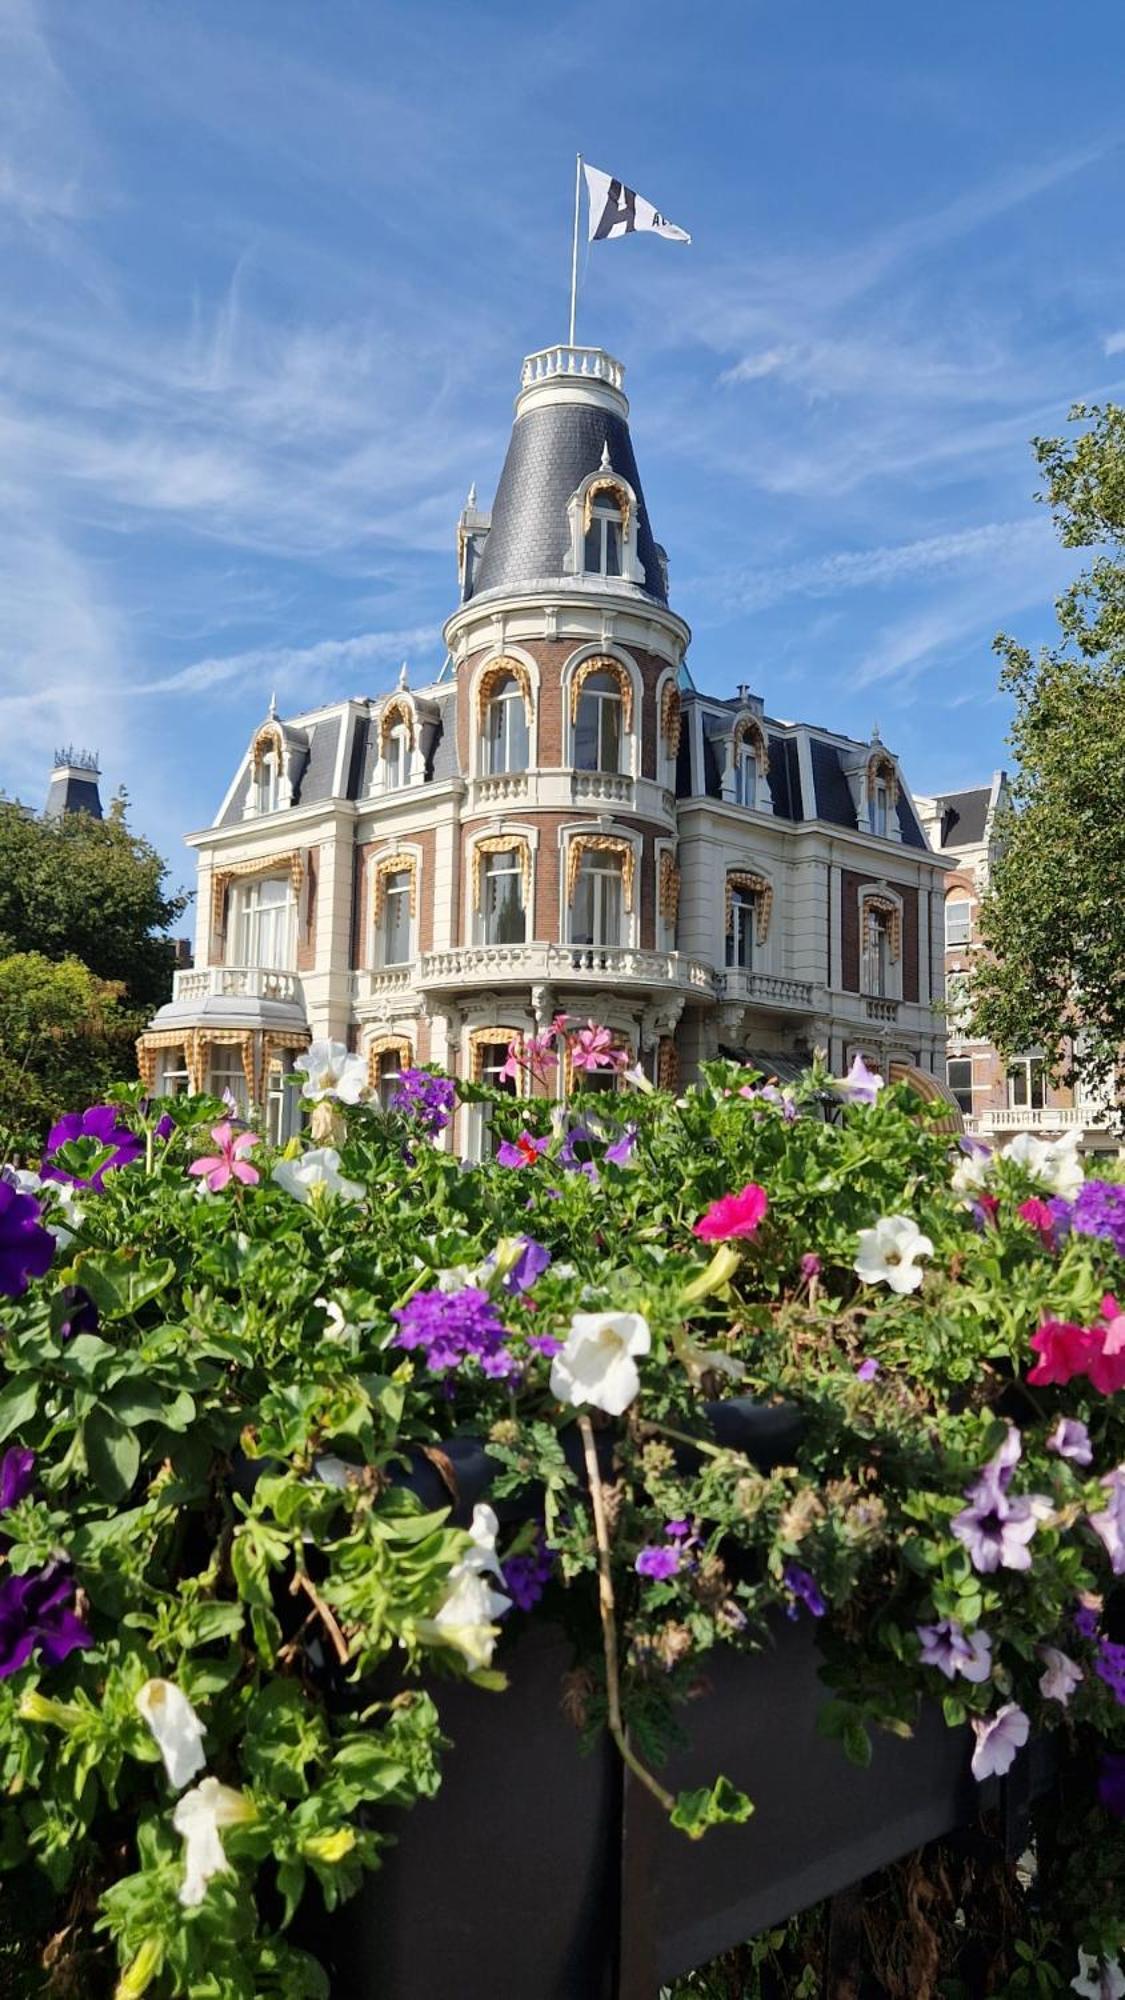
[521, 1152]
[995, 1527]
[100, 1122]
[428, 1099]
[449, 1328]
[17, 1476]
[81, 1314]
[804, 1587]
[528, 1267]
[37, 1610]
[953, 1651]
[26, 1248]
[658, 1564]
[620, 1153]
[999, 1738]
[1110, 1668]
[677, 1531]
[1071, 1439]
[1109, 1522]
[868, 1369]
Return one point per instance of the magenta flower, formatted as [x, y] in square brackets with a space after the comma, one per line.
[733, 1215]
[999, 1737]
[37, 1610]
[657, 1564]
[521, 1152]
[1063, 1350]
[1071, 1439]
[1109, 1522]
[26, 1247]
[534, 1054]
[953, 1651]
[810, 1266]
[230, 1161]
[868, 1369]
[100, 1122]
[592, 1048]
[17, 1476]
[1038, 1216]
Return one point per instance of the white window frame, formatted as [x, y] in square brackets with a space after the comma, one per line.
[481, 1144]
[958, 903]
[744, 919]
[225, 1072]
[172, 1079]
[509, 696]
[959, 1090]
[397, 769]
[606, 515]
[403, 878]
[880, 977]
[1033, 1071]
[599, 868]
[256, 919]
[504, 864]
[600, 697]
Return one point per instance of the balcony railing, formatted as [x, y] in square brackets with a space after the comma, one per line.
[564, 964]
[593, 362]
[1030, 1118]
[382, 983]
[497, 790]
[766, 989]
[881, 1010]
[236, 982]
[608, 785]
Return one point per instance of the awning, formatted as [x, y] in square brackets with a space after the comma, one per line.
[933, 1090]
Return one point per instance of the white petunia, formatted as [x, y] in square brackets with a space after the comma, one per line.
[597, 1364]
[330, 1071]
[176, 1727]
[468, 1611]
[198, 1817]
[63, 1212]
[317, 1172]
[1054, 1163]
[888, 1254]
[972, 1171]
[1098, 1978]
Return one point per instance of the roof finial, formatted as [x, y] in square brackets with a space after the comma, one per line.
[605, 464]
[273, 704]
[875, 736]
[471, 502]
[402, 676]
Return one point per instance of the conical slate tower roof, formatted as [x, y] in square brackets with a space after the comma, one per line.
[571, 416]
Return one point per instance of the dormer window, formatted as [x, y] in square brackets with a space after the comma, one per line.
[605, 533]
[598, 726]
[745, 774]
[505, 729]
[268, 782]
[396, 757]
[879, 807]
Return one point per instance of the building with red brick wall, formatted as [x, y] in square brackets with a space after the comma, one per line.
[561, 822]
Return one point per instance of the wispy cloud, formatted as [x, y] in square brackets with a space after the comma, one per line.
[868, 569]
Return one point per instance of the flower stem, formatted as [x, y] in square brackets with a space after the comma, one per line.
[609, 1623]
[685, 1437]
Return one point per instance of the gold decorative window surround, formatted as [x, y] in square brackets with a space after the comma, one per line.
[753, 885]
[149, 1046]
[607, 482]
[671, 717]
[481, 1039]
[502, 843]
[269, 737]
[603, 663]
[669, 889]
[884, 906]
[397, 709]
[494, 674]
[241, 1039]
[393, 864]
[266, 864]
[600, 843]
[749, 730]
[881, 764]
[387, 1045]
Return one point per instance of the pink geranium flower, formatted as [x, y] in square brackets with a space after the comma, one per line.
[733, 1215]
[592, 1048]
[230, 1161]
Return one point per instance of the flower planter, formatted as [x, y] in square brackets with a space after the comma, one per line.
[539, 1874]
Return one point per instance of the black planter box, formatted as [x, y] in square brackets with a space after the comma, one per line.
[541, 1874]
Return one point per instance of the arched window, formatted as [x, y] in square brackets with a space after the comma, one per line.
[741, 927]
[505, 728]
[880, 950]
[605, 534]
[745, 773]
[598, 906]
[396, 757]
[502, 917]
[598, 728]
[880, 807]
[387, 1057]
[267, 784]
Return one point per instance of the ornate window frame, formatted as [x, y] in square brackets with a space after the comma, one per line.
[755, 885]
[509, 660]
[880, 765]
[748, 729]
[578, 670]
[667, 894]
[885, 901]
[292, 860]
[514, 840]
[385, 1045]
[393, 861]
[580, 511]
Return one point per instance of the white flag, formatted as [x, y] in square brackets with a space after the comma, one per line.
[617, 210]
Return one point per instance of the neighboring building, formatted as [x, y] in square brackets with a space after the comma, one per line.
[559, 822]
[74, 785]
[997, 1098]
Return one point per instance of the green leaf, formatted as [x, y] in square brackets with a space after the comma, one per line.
[112, 1453]
[119, 1282]
[721, 1805]
[856, 1743]
[18, 1404]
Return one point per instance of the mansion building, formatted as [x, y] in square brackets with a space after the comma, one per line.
[558, 823]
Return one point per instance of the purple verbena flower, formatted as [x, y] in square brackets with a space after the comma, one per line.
[37, 1610]
[26, 1247]
[658, 1564]
[1098, 1209]
[1086, 1621]
[1071, 1439]
[804, 1587]
[546, 1343]
[427, 1099]
[526, 1576]
[17, 1475]
[1110, 1668]
[450, 1328]
[100, 1122]
[954, 1651]
[677, 1531]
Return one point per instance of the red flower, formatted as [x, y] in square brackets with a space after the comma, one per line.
[734, 1215]
[1105, 1355]
[1063, 1351]
[1038, 1216]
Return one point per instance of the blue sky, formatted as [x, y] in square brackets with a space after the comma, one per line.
[269, 270]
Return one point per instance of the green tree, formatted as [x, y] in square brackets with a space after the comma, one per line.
[64, 1035]
[77, 887]
[1054, 917]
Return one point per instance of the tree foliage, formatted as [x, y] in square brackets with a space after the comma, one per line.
[64, 1035]
[1054, 918]
[88, 889]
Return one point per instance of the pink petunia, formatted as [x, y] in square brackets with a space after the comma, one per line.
[230, 1161]
[733, 1215]
[1038, 1216]
[1063, 1350]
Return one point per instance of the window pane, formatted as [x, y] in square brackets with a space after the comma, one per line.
[1017, 1086]
[958, 922]
[396, 918]
[612, 545]
[610, 743]
[502, 893]
[959, 1077]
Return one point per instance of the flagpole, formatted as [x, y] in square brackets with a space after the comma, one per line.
[574, 244]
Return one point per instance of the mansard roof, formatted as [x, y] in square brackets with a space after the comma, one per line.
[342, 751]
[965, 817]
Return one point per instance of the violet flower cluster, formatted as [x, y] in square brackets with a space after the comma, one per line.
[1098, 1209]
[428, 1099]
[526, 1576]
[450, 1328]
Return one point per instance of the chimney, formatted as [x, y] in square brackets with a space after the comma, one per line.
[74, 784]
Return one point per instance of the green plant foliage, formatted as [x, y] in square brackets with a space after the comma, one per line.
[225, 1446]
